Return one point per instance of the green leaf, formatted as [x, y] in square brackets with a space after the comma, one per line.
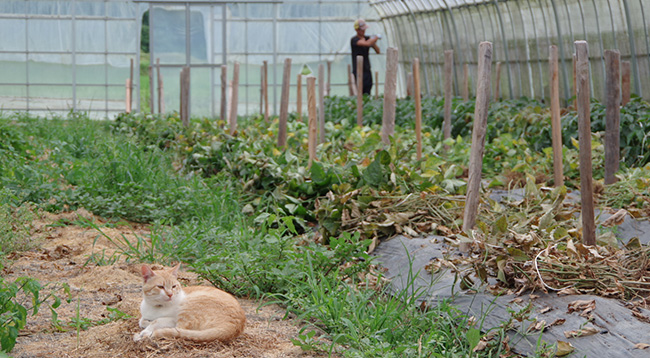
[473, 337]
[318, 175]
[518, 255]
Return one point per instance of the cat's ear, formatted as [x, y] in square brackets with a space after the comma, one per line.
[175, 269]
[147, 273]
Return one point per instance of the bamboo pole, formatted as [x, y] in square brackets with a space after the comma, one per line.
[556, 124]
[185, 96]
[359, 91]
[266, 90]
[161, 97]
[284, 104]
[478, 137]
[465, 93]
[299, 97]
[626, 70]
[449, 70]
[321, 103]
[224, 93]
[612, 115]
[390, 89]
[234, 99]
[312, 123]
[418, 107]
[497, 84]
[128, 95]
[575, 74]
[584, 138]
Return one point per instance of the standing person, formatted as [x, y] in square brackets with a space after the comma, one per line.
[361, 45]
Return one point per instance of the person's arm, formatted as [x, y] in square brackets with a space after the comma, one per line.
[376, 48]
[369, 42]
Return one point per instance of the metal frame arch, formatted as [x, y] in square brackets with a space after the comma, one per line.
[518, 60]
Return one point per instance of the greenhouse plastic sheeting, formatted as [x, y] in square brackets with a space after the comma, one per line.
[61, 56]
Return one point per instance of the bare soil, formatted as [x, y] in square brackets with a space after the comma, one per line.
[63, 257]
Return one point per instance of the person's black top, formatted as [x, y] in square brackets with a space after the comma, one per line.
[363, 51]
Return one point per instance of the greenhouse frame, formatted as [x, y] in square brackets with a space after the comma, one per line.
[75, 56]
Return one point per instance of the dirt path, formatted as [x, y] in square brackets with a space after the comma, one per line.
[63, 257]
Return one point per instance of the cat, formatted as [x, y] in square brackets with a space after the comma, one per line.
[196, 313]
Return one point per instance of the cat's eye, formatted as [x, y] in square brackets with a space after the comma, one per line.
[160, 286]
[174, 286]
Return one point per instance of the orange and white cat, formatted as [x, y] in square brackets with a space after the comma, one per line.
[197, 313]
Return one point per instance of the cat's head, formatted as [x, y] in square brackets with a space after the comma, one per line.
[161, 287]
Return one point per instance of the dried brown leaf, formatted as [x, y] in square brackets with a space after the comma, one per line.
[642, 346]
[577, 333]
[617, 219]
[563, 349]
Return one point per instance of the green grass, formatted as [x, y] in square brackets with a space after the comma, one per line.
[62, 164]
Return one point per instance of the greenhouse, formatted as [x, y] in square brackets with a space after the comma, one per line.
[65, 56]
[325, 178]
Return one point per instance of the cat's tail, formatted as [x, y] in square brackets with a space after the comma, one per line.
[224, 333]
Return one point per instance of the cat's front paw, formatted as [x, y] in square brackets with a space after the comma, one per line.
[144, 323]
[140, 336]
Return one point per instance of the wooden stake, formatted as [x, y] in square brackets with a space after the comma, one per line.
[584, 138]
[299, 97]
[465, 93]
[224, 93]
[265, 87]
[312, 124]
[359, 91]
[321, 103]
[130, 99]
[409, 84]
[612, 114]
[418, 107]
[556, 124]
[351, 83]
[234, 99]
[151, 88]
[262, 90]
[329, 78]
[575, 73]
[185, 96]
[128, 95]
[626, 69]
[376, 84]
[161, 97]
[390, 89]
[449, 95]
[284, 104]
[478, 137]
[497, 84]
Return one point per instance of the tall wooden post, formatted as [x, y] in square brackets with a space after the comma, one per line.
[351, 83]
[284, 104]
[321, 103]
[161, 97]
[234, 99]
[376, 84]
[465, 89]
[409, 84]
[556, 124]
[151, 90]
[497, 84]
[478, 136]
[626, 70]
[299, 97]
[128, 95]
[418, 107]
[224, 93]
[449, 70]
[390, 93]
[185, 96]
[329, 78]
[265, 89]
[312, 123]
[359, 91]
[584, 138]
[130, 99]
[612, 114]
[575, 74]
